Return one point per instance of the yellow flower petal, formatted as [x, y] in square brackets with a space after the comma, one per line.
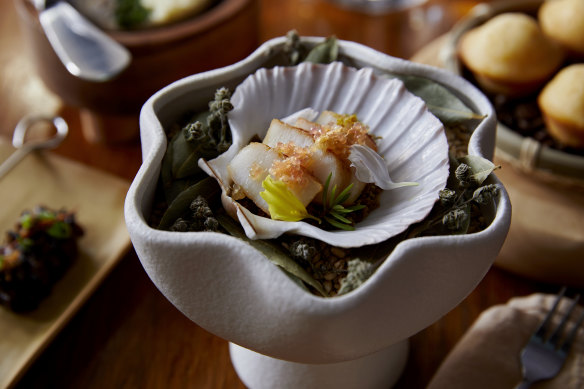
[282, 203]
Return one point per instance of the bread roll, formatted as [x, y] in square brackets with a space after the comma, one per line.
[563, 21]
[510, 55]
[562, 106]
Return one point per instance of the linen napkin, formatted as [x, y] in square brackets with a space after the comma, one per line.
[488, 355]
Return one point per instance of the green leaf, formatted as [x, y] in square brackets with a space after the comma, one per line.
[480, 167]
[272, 251]
[332, 197]
[26, 221]
[340, 209]
[339, 225]
[59, 230]
[326, 189]
[356, 207]
[332, 206]
[344, 195]
[131, 13]
[339, 217]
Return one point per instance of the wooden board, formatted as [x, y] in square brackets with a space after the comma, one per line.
[98, 200]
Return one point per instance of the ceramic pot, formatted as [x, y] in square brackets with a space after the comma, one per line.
[109, 110]
[281, 335]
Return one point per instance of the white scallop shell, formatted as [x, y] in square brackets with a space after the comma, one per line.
[412, 141]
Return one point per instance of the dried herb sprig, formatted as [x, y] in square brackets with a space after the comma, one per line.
[293, 48]
[200, 219]
[452, 214]
[206, 135]
[212, 134]
[217, 119]
[358, 271]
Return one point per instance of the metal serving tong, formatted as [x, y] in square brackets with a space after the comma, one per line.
[24, 146]
[86, 51]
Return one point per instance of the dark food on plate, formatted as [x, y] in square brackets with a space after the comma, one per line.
[37, 254]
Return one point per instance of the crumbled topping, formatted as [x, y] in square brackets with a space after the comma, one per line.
[338, 137]
[256, 171]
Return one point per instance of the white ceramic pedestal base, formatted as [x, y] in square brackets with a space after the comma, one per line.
[379, 370]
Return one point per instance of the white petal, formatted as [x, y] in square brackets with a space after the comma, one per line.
[370, 167]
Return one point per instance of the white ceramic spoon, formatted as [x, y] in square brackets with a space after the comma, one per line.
[86, 51]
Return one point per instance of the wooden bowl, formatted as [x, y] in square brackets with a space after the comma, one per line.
[524, 152]
[109, 110]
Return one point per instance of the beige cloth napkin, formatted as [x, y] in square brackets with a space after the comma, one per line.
[487, 356]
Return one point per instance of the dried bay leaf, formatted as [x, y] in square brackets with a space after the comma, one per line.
[176, 187]
[166, 177]
[272, 251]
[325, 52]
[186, 155]
[172, 187]
[480, 167]
[445, 105]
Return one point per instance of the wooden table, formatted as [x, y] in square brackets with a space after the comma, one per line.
[128, 335]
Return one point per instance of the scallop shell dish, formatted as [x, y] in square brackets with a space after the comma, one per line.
[329, 152]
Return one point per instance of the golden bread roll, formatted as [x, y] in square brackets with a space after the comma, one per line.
[510, 55]
[563, 21]
[562, 106]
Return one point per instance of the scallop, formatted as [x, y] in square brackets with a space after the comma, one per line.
[280, 132]
[410, 139]
[322, 163]
[251, 166]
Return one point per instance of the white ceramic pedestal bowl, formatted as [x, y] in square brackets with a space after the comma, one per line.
[281, 336]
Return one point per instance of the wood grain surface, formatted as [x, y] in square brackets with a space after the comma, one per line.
[127, 335]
